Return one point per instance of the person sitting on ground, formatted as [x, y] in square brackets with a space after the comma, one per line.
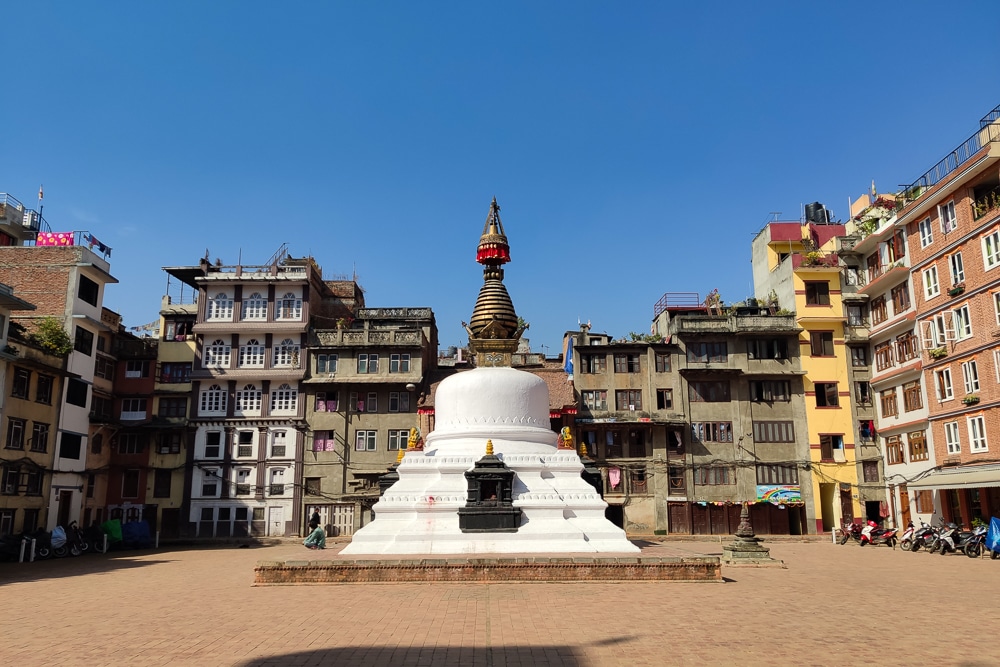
[316, 539]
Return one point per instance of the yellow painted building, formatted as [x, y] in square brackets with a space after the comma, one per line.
[795, 268]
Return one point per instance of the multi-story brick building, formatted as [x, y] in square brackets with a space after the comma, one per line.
[951, 215]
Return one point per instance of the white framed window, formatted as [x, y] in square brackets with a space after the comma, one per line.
[946, 214]
[399, 401]
[251, 354]
[286, 354]
[219, 307]
[254, 307]
[957, 268]
[133, 408]
[289, 307]
[970, 374]
[136, 368]
[367, 363]
[371, 405]
[942, 380]
[996, 363]
[279, 444]
[397, 439]
[399, 363]
[991, 249]
[938, 330]
[952, 438]
[977, 434]
[277, 485]
[248, 399]
[963, 323]
[926, 232]
[210, 482]
[217, 355]
[284, 399]
[243, 486]
[931, 287]
[364, 441]
[213, 399]
[326, 363]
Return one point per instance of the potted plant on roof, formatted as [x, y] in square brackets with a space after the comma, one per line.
[938, 352]
[970, 399]
[956, 289]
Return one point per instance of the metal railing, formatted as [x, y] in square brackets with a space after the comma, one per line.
[35, 222]
[677, 300]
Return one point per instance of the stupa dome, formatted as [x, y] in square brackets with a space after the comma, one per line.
[491, 400]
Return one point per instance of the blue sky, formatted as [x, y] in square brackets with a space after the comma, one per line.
[634, 148]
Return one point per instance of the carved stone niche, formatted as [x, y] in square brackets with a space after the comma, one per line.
[489, 508]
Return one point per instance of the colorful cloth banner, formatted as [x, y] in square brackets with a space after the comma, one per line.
[779, 493]
[54, 238]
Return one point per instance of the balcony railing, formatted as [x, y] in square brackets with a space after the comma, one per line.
[276, 490]
[243, 489]
[368, 337]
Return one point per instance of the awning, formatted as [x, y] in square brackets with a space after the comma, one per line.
[961, 477]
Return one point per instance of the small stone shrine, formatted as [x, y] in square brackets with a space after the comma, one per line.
[490, 508]
[746, 549]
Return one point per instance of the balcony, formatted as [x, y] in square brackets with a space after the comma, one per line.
[368, 338]
[815, 260]
[856, 333]
[729, 324]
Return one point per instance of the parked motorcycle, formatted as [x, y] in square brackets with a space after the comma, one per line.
[95, 538]
[58, 540]
[75, 540]
[924, 537]
[850, 531]
[906, 540]
[953, 540]
[974, 546]
[872, 534]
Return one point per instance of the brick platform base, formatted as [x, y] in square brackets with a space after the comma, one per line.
[527, 569]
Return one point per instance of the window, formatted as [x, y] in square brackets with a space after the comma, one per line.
[713, 476]
[857, 316]
[977, 434]
[712, 431]
[918, 446]
[161, 483]
[931, 287]
[879, 312]
[254, 307]
[970, 374]
[859, 356]
[172, 372]
[130, 483]
[313, 486]
[278, 444]
[703, 353]
[991, 249]
[251, 355]
[84, 341]
[219, 307]
[863, 393]
[169, 443]
[773, 431]
[104, 367]
[39, 437]
[883, 356]
[662, 362]
[593, 363]
[10, 480]
[777, 474]
[951, 438]
[133, 408]
[664, 399]
[906, 347]
[943, 382]
[76, 392]
[43, 389]
[596, 399]
[709, 392]
[172, 407]
[888, 402]
[290, 307]
[365, 441]
[21, 384]
[69, 445]
[217, 354]
[925, 502]
[870, 471]
[323, 441]
[628, 399]
[963, 323]
[875, 266]
[829, 445]
[926, 232]
[213, 444]
[957, 268]
[137, 368]
[399, 401]
[88, 290]
[397, 439]
[399, 363]
[939, 330]
[946, 214]
[131, 443]
[821, 343]
[213, 399]
[177, 329]
[371, 405]
[770, 390]
[284, 399]
[767, 348]
[326, 363]
[626, 363]
[244, 444]
[894, 450]
[367, 363]
[911, 396]
[826, 395]
[327, 401]
[900, 298]
[817, 293]
[32, 487]
[286, 354]
[209, 485]
[248, 399]
[15, 433]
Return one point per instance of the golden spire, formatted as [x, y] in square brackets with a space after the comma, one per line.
[399, 457]
[489, 448]
[583, 450]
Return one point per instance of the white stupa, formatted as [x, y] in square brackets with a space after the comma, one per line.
[560, 511]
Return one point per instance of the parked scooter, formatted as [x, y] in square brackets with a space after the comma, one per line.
[75, 540]
[952, 539]
[906, 540]
[850, 531]
[974, 546]
[872, 534]
[924, 537]
[58, 541]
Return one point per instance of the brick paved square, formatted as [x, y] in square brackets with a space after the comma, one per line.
[197, 607]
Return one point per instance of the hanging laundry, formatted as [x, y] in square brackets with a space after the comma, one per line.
[614, 476]
[54, 238]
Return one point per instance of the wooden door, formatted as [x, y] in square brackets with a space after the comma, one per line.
[846, 506]
[677, 516]
[904, 505]
[342, 519]
[65, 505]
[700, 519]
[717, 513]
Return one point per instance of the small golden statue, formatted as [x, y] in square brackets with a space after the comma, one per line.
[565, 439]
[415, 442]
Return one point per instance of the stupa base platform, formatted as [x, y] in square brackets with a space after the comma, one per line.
[502, 569]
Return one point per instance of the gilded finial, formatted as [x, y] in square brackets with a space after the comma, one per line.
[583, 450]
[489, 448]
[399, 457]
[565, 438]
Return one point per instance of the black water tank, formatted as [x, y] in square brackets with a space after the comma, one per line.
[816, 212]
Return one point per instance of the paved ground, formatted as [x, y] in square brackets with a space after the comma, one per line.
[833, 605]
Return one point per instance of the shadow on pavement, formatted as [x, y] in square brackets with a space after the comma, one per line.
[55, 568]
[551, 656]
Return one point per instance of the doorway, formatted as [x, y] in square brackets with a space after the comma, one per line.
[276, 521]
[65, 505]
